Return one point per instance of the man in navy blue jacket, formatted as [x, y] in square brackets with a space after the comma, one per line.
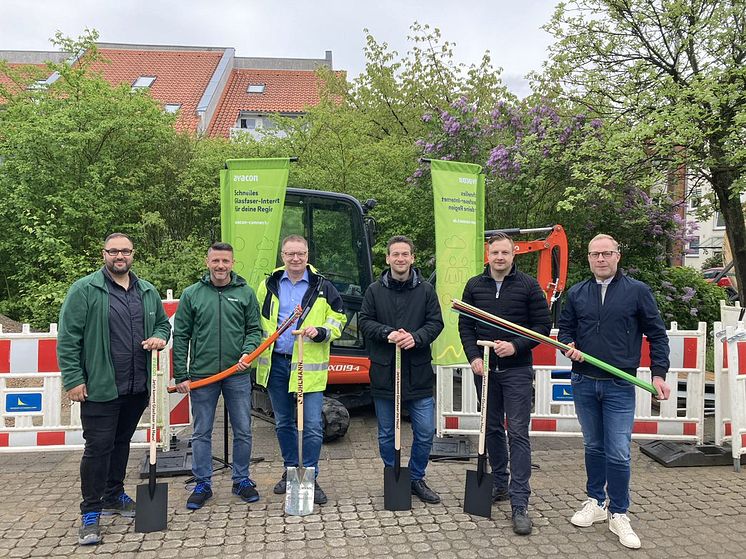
[606, 316]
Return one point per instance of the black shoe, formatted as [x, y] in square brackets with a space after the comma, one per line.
[281, 486]
[90, 531]
[521, 522]
[246, 489]
[420, 488]
[500, 494]
[123, 506]
[201, 493]
[319, 497]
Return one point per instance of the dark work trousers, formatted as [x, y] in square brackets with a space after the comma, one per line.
[107, 429]
[509, 397]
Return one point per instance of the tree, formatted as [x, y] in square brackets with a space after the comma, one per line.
[81, 159]
[548, 164]
[671, 74]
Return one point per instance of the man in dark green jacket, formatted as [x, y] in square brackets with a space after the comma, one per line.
[109, 322]
[217, 322]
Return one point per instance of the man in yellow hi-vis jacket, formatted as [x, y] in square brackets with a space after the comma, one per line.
[323, 319]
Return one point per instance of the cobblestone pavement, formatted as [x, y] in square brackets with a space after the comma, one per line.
[684, 512]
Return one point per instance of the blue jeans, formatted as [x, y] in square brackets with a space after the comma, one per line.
[509, 396]
[236, 391]
[606, 411]
[284, 408]
[422, 416]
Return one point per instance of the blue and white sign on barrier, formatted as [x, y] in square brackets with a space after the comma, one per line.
[22, 402]
[562, 392]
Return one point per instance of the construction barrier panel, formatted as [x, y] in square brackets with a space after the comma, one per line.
[554, 410]
[730, 388]
[32, 416]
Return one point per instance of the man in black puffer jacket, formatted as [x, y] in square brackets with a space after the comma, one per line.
[506, 292]
[403, 309]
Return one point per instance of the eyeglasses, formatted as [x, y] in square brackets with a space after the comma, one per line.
[115, 251]
[295, 254]
[605, 253]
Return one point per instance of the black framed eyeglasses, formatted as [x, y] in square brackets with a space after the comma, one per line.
[115, 251]
[605, 253]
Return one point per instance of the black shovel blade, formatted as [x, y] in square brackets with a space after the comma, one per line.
[397, 490]
[152, 511]
[478, 494]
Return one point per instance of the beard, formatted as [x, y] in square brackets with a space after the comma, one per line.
[118, 268]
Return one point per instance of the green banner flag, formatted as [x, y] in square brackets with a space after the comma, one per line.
[458, 195]
[252, 196]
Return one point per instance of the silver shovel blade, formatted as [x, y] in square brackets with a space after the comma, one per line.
[300, 488]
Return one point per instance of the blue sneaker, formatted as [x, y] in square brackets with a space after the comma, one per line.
[246, 489]
[90, 531]
[201, 493]
[123, 506]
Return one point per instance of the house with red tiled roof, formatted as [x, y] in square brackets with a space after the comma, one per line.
[252, 96]
[212, 91]
[29, 64]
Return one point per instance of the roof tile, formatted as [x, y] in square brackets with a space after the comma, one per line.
[286, 91]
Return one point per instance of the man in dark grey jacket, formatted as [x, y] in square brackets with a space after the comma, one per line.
[403, 309]
[509, 293]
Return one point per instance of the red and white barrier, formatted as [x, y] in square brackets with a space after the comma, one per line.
[730, 388]
[554, 410]
[36, 411]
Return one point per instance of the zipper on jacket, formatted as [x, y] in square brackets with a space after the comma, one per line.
[220, 330]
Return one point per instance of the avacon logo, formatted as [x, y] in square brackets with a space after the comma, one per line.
[245, 178]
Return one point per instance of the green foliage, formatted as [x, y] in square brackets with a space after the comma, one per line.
[714, 261]
[81, 159]
[685, 297]
[671, 74]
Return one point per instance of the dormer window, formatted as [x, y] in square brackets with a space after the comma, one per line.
[172, 107]
[143, 82]
[255, 88]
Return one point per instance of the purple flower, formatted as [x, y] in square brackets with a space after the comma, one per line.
[693, 311]
[427, 117]
[689, 293]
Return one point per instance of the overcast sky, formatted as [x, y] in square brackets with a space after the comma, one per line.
[509, 29]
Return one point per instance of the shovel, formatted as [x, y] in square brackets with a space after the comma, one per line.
[478, 491]
[152, 497]
[397, 482]
[301, 481]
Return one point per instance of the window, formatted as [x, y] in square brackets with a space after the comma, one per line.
[255, 88]
[37, 85]
[336, 249]
[693, 249]
[143, 82]
[719, 221]
[248, 123]
[695, 197]
[172, 107]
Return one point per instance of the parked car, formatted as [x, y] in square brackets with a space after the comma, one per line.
[711, 273]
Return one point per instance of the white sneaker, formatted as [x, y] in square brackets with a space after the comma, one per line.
[590, 513]
[619, 524]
